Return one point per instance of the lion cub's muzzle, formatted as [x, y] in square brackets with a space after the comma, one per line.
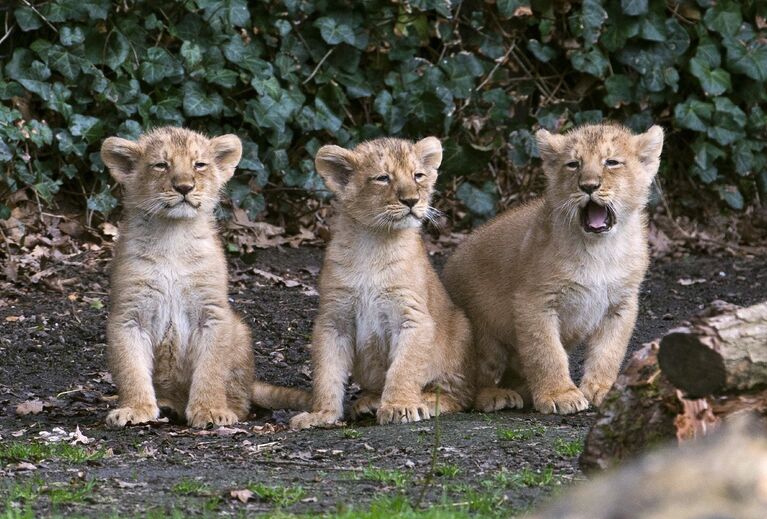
[597, 218]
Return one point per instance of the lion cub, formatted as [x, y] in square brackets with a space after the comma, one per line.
[562, 270]
[384, 316]
[173, 340]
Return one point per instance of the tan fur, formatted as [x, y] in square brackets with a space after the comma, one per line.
[278, 397]
[534, 283]
[384, 316]
[173, 340]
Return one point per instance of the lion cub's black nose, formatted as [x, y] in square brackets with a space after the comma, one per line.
[589, 188]
[410, 202]
[183, 188]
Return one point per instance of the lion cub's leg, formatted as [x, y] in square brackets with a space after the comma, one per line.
[545, 363]
[130, 360]
[208, 401]
[332, 359]
[407, 375]
[492, 357]
[606, 350]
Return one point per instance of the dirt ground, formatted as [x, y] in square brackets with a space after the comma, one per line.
[52, 348]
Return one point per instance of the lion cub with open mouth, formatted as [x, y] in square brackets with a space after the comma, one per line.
[384, 316]
[173, 341]
[562, 270]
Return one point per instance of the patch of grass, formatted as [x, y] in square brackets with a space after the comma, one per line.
[76, 492]
[352, 434]
[34, 452]
[190, 487]
[568, 448]
[279, 495]
[521, 433]
[448, 471]
[530, 478]
[393, 477]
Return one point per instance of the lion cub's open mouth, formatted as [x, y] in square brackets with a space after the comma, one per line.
[597, 218]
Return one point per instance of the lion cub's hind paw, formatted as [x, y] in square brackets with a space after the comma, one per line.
[568, 401]
[497, 398]
[402, 413]
[594, 392]
[317, 419]
[122, 416]
[365, 404]
[201, 417]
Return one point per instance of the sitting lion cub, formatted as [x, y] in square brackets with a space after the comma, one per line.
[173, 340]
[562, 270]
[384, 316]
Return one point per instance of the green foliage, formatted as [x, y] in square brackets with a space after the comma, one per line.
[521, 434]
[290, 75]
[35, 452]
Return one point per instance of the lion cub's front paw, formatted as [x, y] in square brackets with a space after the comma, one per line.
[122, 416]
[594, 392]
[563, 401]
[200, 416]
[317, 419]
[402, 412]
[366, 404]
[491, 399]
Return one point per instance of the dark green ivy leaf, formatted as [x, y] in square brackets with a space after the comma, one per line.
[198, 103]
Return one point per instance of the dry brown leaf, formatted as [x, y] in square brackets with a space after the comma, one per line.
[29, 407]
[244, 495]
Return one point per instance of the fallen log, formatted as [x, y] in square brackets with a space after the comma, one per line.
[645, 408]
[722, 352]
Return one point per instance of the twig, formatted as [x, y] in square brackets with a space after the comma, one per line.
[8, 30]
[49, 24]
[433, 466]
[317, 68]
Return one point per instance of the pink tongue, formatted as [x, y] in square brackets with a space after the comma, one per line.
[597, 216]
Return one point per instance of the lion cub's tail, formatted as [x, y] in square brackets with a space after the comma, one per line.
[277, 397]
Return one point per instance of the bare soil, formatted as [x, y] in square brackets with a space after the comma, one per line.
[52, 348]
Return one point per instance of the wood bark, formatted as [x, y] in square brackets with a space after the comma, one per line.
[724, 351]
[643, 409]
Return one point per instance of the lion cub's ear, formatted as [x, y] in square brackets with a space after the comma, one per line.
[429, 150]
[549, 145]
[121, 156]
[649, 146]
[335, 165]
[227, 152]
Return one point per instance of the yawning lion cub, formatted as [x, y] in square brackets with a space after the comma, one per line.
[562, 270]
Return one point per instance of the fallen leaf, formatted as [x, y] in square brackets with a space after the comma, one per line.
[29, 407]
[14, 318]
[127, 484]
[687, 281]
[221, 431]
[24, 466]
[243, 495]
[78, 437]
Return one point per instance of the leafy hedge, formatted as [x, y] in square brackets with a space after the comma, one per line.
[290, 75]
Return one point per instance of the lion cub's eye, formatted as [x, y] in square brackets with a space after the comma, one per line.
[200, 165]
[612, 163]
[382, 178]
[160, 166]
[573, 164]
[420, 176]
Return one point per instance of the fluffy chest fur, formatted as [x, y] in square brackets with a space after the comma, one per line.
[375, 283]
[166, 281]
[595, 277]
